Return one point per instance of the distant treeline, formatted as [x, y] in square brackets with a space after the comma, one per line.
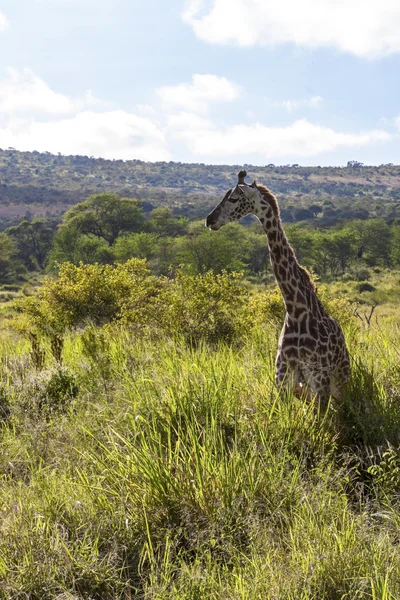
[107, 229]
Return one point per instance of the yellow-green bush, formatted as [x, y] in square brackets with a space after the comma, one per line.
[211, 307]
[207, 306]
[91, 293]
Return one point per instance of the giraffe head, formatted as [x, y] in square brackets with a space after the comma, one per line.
[237, 203]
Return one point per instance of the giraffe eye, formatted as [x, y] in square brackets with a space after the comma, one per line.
[233, 199]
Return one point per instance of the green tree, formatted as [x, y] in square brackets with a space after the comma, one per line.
[379, 242]
[70, 245]
[342, 250]
[9, 264]
[138, 245]
[203, 251]
[106, 216]
[34, 240]
[162, 222]
[372, 240]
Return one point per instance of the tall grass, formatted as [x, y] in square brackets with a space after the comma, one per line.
[149, 468]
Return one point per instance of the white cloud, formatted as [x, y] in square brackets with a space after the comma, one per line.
[145, 109]
[299, 140]
[197, 96]
[3, 22]
[35, 117]
[23, 92]
[291, 105]
[111, 134]
[365, 28]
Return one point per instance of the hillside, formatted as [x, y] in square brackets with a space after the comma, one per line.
[46, 183]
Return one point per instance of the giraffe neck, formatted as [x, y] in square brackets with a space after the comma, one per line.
[294, 283]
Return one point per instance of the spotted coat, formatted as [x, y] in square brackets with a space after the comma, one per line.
[311, 348]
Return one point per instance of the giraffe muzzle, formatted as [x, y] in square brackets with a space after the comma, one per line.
[212, 221]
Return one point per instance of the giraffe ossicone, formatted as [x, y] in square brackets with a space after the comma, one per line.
[311, 349]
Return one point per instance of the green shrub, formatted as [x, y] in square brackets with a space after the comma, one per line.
[60, 389]
[207, 306]
[365, 287]
[267, 307]
[48, 391]
[83, 294]
[362, 274]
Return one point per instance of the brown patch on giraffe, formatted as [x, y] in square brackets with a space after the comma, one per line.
[292, 352]
[304, 326]
[282, 272]
[300, 297]
[299, 311]
[309, 342]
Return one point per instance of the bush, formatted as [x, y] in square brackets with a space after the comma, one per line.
[49, 391]
[207, 306]
[365, 287]
[362, 274]
[86, 294]
[210, 307]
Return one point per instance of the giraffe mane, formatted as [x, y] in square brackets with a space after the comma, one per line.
[273, 202]
[307, 278]
[270, 198]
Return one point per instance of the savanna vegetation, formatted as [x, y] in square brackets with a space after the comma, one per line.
[145, 450]
[147, 453]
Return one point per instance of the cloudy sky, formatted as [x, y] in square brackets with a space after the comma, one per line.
[212, 81]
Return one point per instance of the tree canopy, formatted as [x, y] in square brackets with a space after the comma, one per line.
[105, 216]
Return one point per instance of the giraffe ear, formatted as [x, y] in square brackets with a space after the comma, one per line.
[254, 184]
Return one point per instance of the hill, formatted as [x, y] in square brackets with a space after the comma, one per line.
[40, 183]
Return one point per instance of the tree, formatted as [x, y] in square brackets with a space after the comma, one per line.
[316, 209]
[8, 258]
[72, 246]
[137, 245]
[396, 243]
[162, 222]
[106, 216]
[34, 240]
[372, 240]
[203, 251]
[302, 214]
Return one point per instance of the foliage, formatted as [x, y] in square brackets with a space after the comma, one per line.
[9, 264]
[54, 390]
[207, 307]
[197, 306]
[72, 246]
[162, 222]
[136, 245]
[105, 216]
[87, 293]
[34, 241]
[189, 476]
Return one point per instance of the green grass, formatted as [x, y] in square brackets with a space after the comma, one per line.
[146, 468]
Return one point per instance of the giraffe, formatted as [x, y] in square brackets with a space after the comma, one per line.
[311, 349]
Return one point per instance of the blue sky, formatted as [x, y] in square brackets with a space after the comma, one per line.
[212, 81]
